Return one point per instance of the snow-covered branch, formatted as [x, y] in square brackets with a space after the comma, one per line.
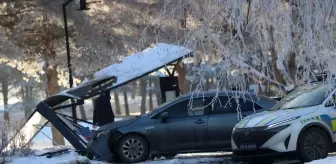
[283, 43]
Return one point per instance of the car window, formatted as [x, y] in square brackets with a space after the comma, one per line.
[223, 105]
[178, 110]
[186, 109]
[197, 106]
[248, 106]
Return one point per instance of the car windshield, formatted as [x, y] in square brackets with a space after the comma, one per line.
[305, 96]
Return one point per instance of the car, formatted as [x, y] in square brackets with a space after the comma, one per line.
[302, 125]
[190, 123]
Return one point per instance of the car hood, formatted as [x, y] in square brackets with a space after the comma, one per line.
[118, 124]
[270, 117]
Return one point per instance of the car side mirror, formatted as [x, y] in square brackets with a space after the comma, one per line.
[164, 116]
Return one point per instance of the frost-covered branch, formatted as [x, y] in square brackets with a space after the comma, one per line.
[283, 43]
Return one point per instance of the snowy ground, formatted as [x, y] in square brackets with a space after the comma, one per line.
[197, 158]
[215, 158]
[41, 143]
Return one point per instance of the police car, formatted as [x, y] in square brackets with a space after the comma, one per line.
[302, 125]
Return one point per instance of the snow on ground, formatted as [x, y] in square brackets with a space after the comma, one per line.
[72, 157]
[65, 158]
[193, 158]
[329, 160]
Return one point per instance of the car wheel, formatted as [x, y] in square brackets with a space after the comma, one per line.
[132, 149]
[313, 144]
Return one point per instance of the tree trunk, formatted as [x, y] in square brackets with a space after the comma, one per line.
[151, 106]
[292, 66]
[52, 88]
[143, 82]
[278, 76]
[134, 90]
[182, 82]
[248, 12]
[51, 73]
[4, 85]
[127, 112]
[117, 102]
[180, 68]
[183, 20]
[157, 90]
[28, 97]
[24, 99]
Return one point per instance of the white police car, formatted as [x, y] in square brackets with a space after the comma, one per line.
[302, 125]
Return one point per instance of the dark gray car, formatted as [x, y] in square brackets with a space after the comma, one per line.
[180, 126]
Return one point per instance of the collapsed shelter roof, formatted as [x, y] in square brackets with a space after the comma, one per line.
[142, 63]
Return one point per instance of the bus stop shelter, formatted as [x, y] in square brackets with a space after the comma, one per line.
[131, 68]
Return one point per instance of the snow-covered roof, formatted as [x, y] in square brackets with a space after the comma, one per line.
[145, 62]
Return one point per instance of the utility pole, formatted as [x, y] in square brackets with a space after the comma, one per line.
[82, 7]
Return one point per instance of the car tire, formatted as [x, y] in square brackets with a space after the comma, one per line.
[133, 149]
[313, 144]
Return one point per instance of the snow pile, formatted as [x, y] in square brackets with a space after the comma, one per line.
[144, 62]
[70, 158]
[328, 160]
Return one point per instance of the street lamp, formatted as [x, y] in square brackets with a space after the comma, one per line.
[83, 6]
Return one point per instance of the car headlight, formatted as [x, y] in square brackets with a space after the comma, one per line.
[278, 129]
[97, 134]
[281, 122]
[103, 133]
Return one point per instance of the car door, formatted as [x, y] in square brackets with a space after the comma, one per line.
[223, 116]
[330, 105]
[185, 128]
[221, 120]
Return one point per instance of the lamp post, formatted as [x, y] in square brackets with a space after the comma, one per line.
[82, 7]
